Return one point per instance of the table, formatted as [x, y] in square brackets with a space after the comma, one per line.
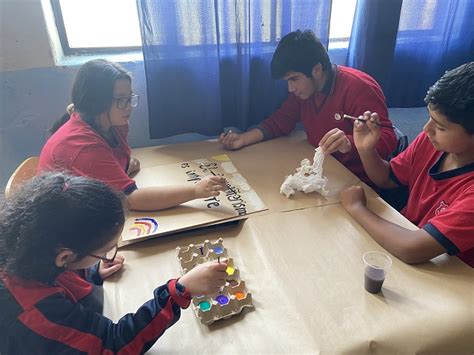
[264, 165]
[304, 269]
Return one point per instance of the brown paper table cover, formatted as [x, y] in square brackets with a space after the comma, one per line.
[305, 271]
[302, 262]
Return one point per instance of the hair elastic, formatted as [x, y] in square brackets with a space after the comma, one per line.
[65, 187]
[70, 109]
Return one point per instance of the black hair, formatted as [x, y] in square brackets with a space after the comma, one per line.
[453, 96]
[93, 89]
[54, 211]
[300, 52]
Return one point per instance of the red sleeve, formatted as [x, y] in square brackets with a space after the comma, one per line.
[98, 162]
[455, 223]
[401, 166]
[57, 325]
[367, 96]
[282, 121]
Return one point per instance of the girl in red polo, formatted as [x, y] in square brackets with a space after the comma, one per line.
[91, 140]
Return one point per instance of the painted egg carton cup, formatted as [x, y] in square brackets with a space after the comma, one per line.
[233, 296]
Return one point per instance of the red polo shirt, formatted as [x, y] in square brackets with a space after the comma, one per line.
[440, 203]
[348, 91]
[78, 149]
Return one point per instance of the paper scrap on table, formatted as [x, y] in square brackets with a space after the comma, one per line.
[308, 178]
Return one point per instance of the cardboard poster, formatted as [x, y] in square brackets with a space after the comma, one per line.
[238, 200]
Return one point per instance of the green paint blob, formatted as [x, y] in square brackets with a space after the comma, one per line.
[205, 306]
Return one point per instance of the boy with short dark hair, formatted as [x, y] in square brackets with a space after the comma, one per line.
[438, 168]
[319, 90]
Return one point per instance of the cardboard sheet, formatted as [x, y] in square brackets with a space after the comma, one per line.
[305, 271]
[237, 202]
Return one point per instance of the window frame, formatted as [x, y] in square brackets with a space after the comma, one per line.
[66, 48]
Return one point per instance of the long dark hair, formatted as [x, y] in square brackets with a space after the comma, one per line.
[92, 90]
[54, 211]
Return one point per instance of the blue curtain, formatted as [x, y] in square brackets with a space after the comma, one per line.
[207, 63]
[406, 45]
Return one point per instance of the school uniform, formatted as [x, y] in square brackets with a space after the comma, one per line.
[442, 203]
[347, 91]
[80, 150]
[64, 317]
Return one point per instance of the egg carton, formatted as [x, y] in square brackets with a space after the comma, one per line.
[231, 299]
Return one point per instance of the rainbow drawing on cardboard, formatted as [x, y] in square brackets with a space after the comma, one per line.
[144, 226]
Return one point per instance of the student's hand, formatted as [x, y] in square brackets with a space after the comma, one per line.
[107, 269]
[205, 278]
[210, 186]
[353, 198]
[232, 141]
[133, 167]
[367, 134]
[335, 141]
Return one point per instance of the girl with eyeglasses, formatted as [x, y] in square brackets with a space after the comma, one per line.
[91, 140]
[52, 232]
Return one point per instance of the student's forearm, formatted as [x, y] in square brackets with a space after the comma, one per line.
[160, 197]
[377, 169]
[410, 246]
[253, 136]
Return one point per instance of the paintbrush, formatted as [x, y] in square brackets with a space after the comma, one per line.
[228, 185]
[338, 117]
[228, 132]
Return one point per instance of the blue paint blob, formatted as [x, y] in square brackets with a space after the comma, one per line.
[218, 250]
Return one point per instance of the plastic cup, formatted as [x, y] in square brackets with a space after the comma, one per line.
[376, 267]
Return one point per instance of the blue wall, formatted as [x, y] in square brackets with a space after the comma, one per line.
[31, 100]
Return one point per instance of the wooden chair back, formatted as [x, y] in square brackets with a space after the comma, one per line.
[24, 172]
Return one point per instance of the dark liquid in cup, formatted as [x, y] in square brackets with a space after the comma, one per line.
[371, 285]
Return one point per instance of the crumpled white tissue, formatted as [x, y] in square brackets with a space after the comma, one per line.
[308, 178]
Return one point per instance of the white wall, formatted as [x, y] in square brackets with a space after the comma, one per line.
[24, 40]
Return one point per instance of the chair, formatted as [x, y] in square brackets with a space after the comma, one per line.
[24, 172]
[402, 142]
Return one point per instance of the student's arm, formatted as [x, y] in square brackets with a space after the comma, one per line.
[99, 163]
[366, 136]
[69, 325]
[280, 123]
[162, 197]
[234, 141]
[410, 246]
[56, 324]
[369, 97]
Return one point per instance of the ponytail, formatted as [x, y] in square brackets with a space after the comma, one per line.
[64, 118]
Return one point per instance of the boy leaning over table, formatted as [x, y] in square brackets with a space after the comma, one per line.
[438, 168]
[319, 89]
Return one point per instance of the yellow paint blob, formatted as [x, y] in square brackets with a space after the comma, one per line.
[230, 270]
[222, 157]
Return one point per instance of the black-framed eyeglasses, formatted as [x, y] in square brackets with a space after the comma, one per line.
[124, 101]
[108, 257]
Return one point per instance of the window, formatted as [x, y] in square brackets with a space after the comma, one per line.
[88, 26]
[91, 26]
[340, 28]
